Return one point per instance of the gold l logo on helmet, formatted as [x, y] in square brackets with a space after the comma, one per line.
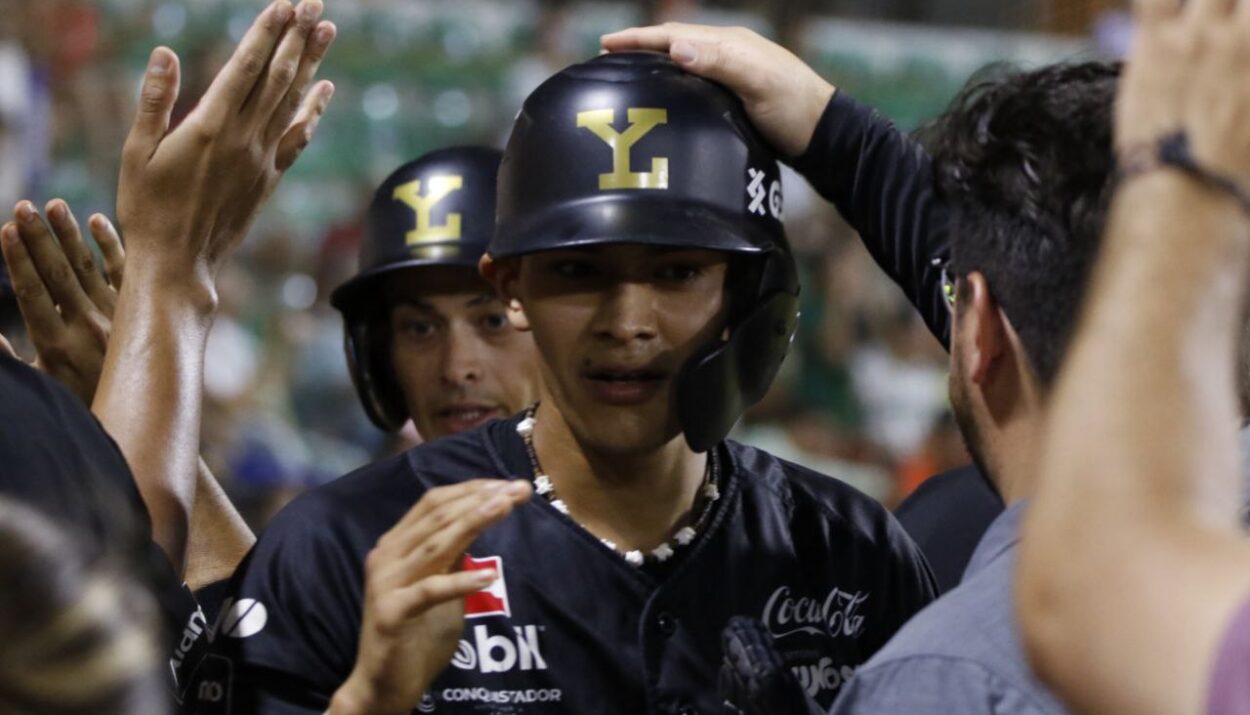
[437, 189]
[641, 121]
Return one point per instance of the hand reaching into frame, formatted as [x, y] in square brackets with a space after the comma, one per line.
[188, 196]
[783, 96]
[65, 300]
[414, 607]
[1187, 71]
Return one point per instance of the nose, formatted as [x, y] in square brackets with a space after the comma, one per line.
[462, 357]
[627, 313]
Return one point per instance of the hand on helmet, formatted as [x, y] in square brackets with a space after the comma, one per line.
[783, 96]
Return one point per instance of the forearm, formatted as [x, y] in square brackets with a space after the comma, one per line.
[150, 392]
[1140, 472]
[881, 181]
[218, 538]
[1150, 284]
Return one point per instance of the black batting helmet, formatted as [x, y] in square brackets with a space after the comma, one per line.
[438, 210]
[628, 148]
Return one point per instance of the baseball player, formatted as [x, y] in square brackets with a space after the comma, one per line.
[426, 337]
[639, 241]
[880, 181]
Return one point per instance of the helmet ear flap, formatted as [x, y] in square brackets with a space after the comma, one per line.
[717, 384]
[367, 344]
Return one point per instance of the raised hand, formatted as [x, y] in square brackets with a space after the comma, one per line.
[66, 301]
[1187, 71]
[188, 196]
[783, 96]
[414, 608]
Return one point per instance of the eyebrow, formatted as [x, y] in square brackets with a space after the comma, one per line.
[479, 299]
[482, 299]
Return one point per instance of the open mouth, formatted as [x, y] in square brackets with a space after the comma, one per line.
[461, 417]
[624, 386]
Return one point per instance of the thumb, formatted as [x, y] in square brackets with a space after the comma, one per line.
[156, 102]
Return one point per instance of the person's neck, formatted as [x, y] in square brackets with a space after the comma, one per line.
[1012, 453]
[638, 501]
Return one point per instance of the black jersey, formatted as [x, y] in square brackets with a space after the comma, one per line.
[571, 627]
[56, 458]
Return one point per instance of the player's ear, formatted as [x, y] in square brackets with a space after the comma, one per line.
[982, 323]
[504, 275]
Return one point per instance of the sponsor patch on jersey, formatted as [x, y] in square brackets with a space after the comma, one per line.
[492, 600]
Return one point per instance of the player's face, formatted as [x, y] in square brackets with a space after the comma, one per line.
[458, 361]
[614, 325]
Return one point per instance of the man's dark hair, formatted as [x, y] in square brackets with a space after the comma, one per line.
[1025, 160]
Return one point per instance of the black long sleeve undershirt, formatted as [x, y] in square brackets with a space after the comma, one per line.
[881, 181]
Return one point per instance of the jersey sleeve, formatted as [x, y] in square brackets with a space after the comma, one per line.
[881, 181]
[931, 684]
[287, 632]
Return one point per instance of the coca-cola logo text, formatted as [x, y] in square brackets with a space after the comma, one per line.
[837, 615]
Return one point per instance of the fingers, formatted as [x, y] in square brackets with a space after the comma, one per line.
[301, 131]
[51, 263]
[724, 54]
[38, 309]
[110, 244]
[156, 101]
[442, 537]
[236, 81]
[439, 496]
[434, 590]
[294, 100]
[284, 67]
[442, 507]
[657, 38]
[686, 44]
[79, 255]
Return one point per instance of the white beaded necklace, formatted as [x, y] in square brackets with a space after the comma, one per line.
[544, 488]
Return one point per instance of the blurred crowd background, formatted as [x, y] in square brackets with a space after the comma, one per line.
[863, 394]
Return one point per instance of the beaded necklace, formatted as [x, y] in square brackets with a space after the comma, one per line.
[708, 490]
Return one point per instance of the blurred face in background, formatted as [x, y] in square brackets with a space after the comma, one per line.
[459, 362]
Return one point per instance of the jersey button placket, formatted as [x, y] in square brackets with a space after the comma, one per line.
[666, 623]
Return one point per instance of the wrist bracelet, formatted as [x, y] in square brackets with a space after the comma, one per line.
[1172, 151]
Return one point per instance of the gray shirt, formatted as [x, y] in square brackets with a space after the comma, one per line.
[961, 654]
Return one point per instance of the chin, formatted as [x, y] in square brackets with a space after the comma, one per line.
[622, 431]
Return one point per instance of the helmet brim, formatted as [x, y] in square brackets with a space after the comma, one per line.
[656, 221]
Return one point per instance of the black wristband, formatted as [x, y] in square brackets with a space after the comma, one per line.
[1173, 151]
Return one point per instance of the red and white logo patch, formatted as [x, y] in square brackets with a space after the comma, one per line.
[492, 600]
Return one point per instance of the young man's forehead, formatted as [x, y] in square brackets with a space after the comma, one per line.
[428, 286]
